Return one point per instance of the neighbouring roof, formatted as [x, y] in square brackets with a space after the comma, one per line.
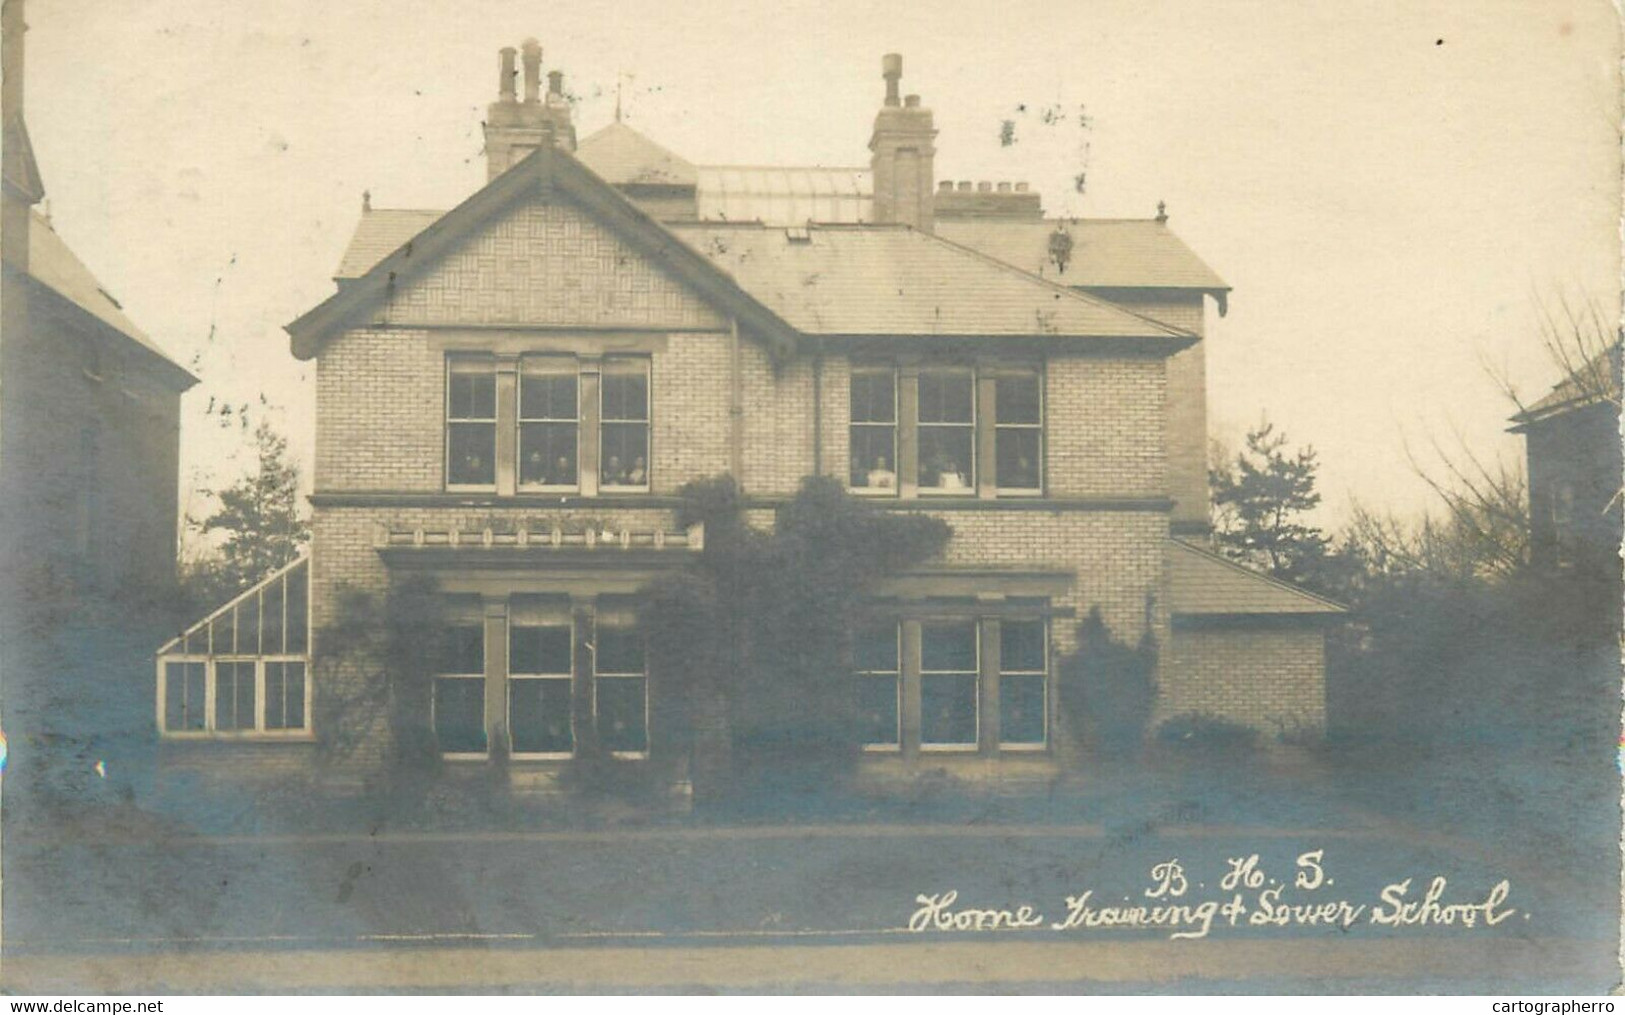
[1205, 584]
[622, 156]
[863, 280]
[1105, 253]
[21, 171]
[1597, 381]
[785, 195]
[52, 264]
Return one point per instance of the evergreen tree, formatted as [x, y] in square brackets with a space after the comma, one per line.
[1260, 499]
[260, 521]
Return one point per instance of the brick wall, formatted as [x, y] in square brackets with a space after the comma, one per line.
[1266, 678]
[380, 406]
[1105, 428]
[546, 263]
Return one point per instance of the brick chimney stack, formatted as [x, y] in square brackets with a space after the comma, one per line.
[902, 156]
[514, 129]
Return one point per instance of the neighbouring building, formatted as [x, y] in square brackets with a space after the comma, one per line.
[1572, 440]
[511, 393]
[89, 446]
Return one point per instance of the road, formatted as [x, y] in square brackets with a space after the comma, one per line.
[815, 907]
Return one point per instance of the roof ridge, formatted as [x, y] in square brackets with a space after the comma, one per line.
[1057, 287]
[1249, 572]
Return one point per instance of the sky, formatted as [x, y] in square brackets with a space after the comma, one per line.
[1394, 191]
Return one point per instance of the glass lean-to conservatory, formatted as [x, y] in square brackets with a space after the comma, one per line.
[244, 670]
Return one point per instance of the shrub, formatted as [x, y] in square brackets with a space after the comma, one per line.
[1210, 735]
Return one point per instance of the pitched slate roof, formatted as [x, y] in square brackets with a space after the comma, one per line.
[1106, 253]
[866, 280]
[1205, 584]
[1598, 380]
[621, 155]
[380, 233]
[545, 170]
[52, 264]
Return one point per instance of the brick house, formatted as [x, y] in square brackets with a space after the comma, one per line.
[511, 393]
[1571, 438]
[89, 462]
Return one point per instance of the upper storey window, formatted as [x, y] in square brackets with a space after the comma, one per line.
[874, 431]
[624, 425]
[549, 423]
[471, 422]
[946, 431]
[1018, 432]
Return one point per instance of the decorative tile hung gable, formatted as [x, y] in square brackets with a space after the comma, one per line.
[545, 243]
[547, 262]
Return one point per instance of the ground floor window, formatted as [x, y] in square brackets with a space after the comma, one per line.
[540, 668]
[949, 677]
[879, 665]
[620, 689]
[954, 691]
[1023, 683]
[459, 692]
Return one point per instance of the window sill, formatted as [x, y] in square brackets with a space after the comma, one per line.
[555, 490]
[1023, 748]
[937, 491]
[238, 736]
[872, 491]
[527, 757]
[620, 490]
[882, 749]
[1016, 492]
[630, 755]
[471, 488]
[466, 756]
[949, 748]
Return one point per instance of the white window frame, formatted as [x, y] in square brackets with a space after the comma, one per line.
[895, 425]
[210, 657]
[920, 426]
[611, 366]
[531, 365]
[648, 733]
[568, 678]
[974, 744]
[1020, 491]
[1043, 674]
[488, 366]
[485, 692]
[897, 687]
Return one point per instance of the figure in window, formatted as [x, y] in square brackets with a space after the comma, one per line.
[881, 477]
[638, 475]
[949, 475]
[563, 472]
[614, 472]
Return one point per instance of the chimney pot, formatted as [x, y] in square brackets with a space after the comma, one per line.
[945, 186]
[533, 69]
[891, 68]
[984, 187]
[912, 102]
[1004, 186]
[965, 185]
[505, 74]
[555, 82]
[1021, 188]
